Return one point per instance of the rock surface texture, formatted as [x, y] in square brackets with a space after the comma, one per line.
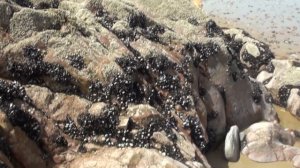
[127, 83]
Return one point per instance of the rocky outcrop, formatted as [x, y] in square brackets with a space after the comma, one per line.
[232, 144]
[81, 79]
[269, 142]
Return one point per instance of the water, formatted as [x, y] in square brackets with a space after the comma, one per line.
[275, 22]
[217, 160]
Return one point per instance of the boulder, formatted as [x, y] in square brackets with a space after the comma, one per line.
[285, 74]
[284, 83]
[269, 142]
[232, 144]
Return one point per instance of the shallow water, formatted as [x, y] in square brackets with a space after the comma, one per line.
[275, 22]
[217, 160]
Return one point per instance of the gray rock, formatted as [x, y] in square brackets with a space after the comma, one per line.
[232, 144]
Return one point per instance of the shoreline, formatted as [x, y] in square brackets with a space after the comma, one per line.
[259, 20]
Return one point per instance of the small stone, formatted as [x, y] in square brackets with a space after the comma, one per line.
[252, 49]
[232, 144]
[293, 103]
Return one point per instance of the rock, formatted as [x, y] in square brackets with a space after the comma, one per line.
[232, 144]
[143, 114]
[283, 83]
[293, 102]
[161, 138]
[4, 123]
[216, 115]
[252, 49]
[152, 82]
[194, 164]
[4, 161]
[264, 77]
[133, 157]
[44, 4]
[25, 23]
[296, 161]
[285, 74]
[26, 151]
[268, 142]
[6, 12]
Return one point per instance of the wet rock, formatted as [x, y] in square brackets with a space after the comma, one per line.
[232, 144]
[268, 142]
[293, 103]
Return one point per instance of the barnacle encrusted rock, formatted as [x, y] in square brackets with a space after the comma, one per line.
[85, 82]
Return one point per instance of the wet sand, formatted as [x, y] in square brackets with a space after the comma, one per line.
[217, 160]
[275, 22]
